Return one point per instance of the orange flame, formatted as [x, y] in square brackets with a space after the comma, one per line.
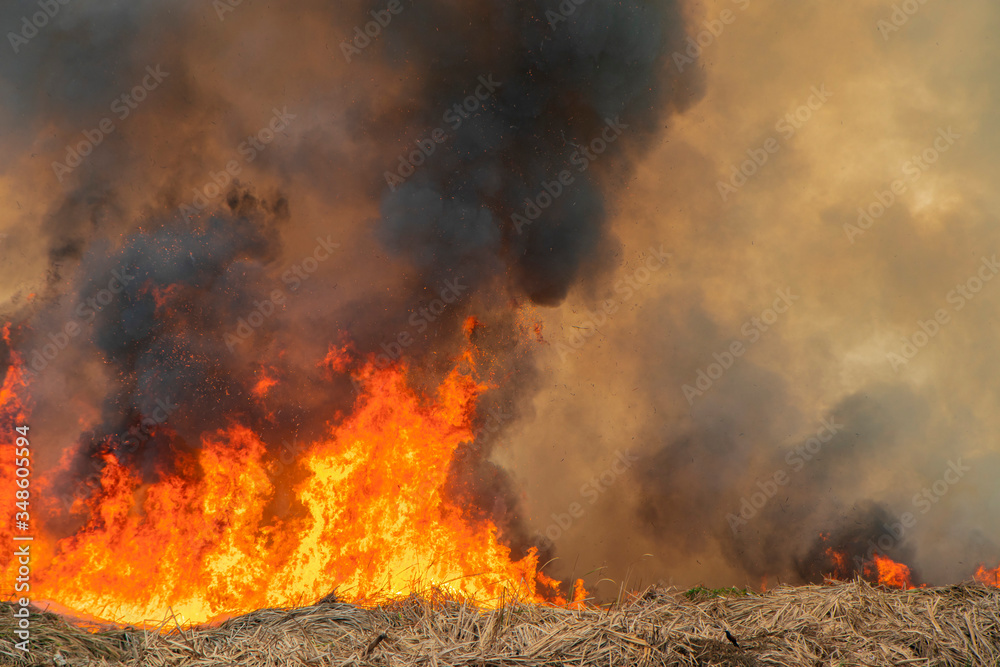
[882, 570]
[988, 577]
[264, 385]
[231, 528]
[841, 569]
[12, 414]
[892, 574]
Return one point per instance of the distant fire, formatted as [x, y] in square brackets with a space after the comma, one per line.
[841, 568]
[368, 515]
[892, 574]
[879, 569]
[989, 577]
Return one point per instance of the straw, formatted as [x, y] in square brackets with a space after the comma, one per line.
[850, 623]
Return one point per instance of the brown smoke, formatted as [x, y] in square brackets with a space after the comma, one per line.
[625, 326]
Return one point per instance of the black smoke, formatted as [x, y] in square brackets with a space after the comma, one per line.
[557, 102]
[556, 82]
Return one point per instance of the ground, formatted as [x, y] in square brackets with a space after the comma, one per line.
[839, 624]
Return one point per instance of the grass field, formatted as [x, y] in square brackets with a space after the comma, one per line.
[840, 624]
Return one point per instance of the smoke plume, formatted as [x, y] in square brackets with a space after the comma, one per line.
[713, 328]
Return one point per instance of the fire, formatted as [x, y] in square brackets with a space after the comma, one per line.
[367, 514]
[264, 385]
[892, 574]
[988, 577]
[881, 569]
[841, 569]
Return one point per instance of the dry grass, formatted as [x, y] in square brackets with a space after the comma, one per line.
[841, 624]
